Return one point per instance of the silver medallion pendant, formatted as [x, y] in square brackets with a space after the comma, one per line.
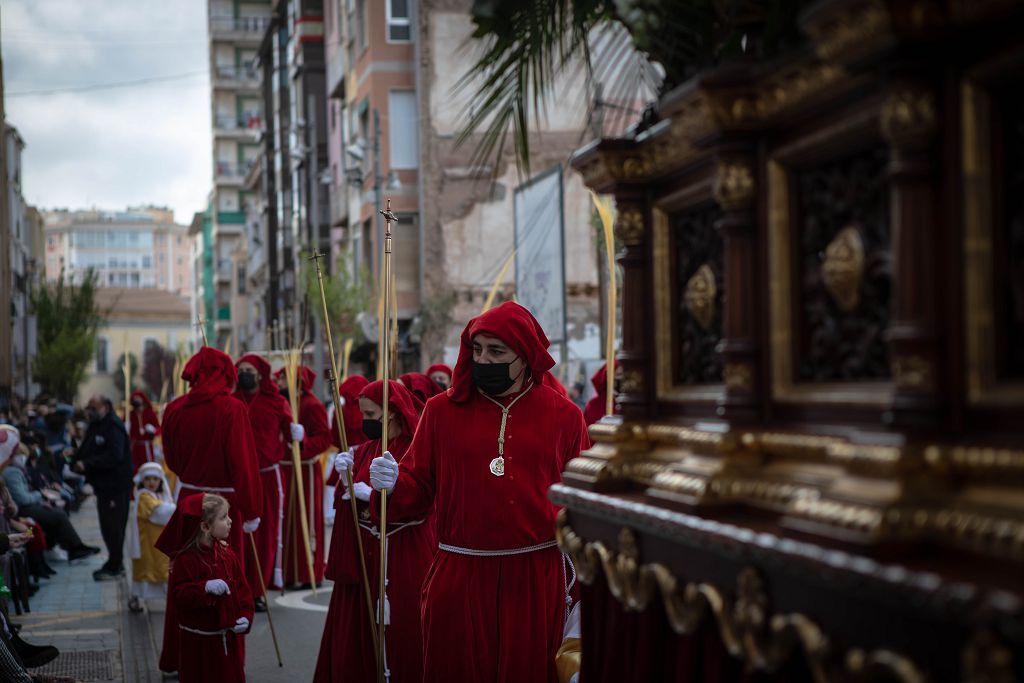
[498, 466]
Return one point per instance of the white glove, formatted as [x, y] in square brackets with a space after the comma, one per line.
[384, 472]
[241, 625]
[158, 452]
[343, 462]
[575, 678]
[251, 525]
[150, 429]
[362, 492]
[217, 587]
[298, 432]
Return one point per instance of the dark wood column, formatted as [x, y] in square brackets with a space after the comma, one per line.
[734, 190]
[909, 123]
[632, 227]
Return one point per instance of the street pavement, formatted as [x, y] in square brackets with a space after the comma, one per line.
[101, 641]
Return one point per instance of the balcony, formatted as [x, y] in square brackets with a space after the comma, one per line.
[231, 77]
[247, 126]
[226, 173]
[238, 28]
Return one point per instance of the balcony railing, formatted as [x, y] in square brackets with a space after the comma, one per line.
[255, 25]
[227, 171]
[236, 74]
[247, 122]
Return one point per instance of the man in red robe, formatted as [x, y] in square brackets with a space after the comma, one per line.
[348, 391]
[441, 374]
[485, 454]
[272, 429]
[208, 443]
[143, 427]
[598, 403]
[313, 418]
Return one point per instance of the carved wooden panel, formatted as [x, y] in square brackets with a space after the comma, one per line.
[844, 268]
[1008, 152]
[700, 289]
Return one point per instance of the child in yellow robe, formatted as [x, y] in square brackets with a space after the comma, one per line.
[151, 510]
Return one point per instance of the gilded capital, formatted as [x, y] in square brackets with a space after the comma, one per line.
[629, 225]
[734, 184]
[909, 117]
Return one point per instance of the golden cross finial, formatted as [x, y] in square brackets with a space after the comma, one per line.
[389, 216]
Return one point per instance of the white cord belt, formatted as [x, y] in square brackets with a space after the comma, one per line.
[497, 553]
[371, 528]
[288, 462]
[208, 489]
[272, 468]
[223, 633]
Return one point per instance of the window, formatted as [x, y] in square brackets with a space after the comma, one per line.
[399, 30]
[147, 262]
[359, 27]
[102, 354]
[403, 129]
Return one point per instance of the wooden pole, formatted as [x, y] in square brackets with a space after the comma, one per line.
[292, 372]
[266, 598]
[339, 420]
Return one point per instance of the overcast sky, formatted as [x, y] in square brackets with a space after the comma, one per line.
[110, 148]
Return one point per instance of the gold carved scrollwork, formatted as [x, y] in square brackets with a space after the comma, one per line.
[986, 660]
[734, 185]
[842, 270]
[629, 226]
[632, 382]
[912, 372]
[700, 296]
[909, 117]
[739, 376]
[747, 626]
[857, 28]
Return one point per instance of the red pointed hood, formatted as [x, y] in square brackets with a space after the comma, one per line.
[407, 408]
[439, 367]
[210, 372]
[183, 527]
[267, 384]
[306, 379]
[420, 385]
[514, 325]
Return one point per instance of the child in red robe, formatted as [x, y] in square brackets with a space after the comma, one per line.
[484, 455]
[346, 650]
[212, 602]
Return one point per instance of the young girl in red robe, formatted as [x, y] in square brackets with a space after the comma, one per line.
[346, 650]
[211, 598]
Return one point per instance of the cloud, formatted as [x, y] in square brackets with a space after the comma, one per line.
[144, 144]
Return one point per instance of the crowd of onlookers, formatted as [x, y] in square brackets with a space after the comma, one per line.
[39, 493]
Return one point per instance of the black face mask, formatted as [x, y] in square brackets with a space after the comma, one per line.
[493, 378]
[284, 392]
[373, 429]
[92, 415]
[246, 381]
[137, 405]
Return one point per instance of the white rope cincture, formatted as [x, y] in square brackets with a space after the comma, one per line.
[272, 468]
[223, 633]
[207, 489]
[473, 552]
[375, 532]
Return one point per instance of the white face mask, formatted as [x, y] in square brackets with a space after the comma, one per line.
[20, 460]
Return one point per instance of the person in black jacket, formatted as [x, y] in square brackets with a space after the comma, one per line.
[105, 460]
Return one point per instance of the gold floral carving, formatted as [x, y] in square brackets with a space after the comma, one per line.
[842, 270]
[748, 627]
[986, 660]
[912, 372]
[909, 117]
[852, 32]
[739, 376]
[629, 226]
[632, 382]
[734, 185]
[700, 296]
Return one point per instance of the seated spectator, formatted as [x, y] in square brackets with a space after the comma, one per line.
[40, 506]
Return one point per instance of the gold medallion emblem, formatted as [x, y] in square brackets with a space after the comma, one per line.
[498, 466]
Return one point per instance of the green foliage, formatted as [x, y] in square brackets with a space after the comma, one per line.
[133, 370]
[347, 296]
[68, 319]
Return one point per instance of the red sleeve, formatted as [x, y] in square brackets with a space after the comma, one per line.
[186, 591]
[244, 467]
[286, 421]
[580, 439]
[413, 495]
[170, 452]
[314, 419]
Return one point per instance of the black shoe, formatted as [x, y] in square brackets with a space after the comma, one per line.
[134, 604]
[81, 552]
[33, 655]
[260, 605]
[104, 574]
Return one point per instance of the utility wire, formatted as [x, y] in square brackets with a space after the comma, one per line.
[108, 86]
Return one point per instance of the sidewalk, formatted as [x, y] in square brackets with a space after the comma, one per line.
[87, 620]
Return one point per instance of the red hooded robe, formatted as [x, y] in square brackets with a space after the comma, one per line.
[421, 386]
[208, 443]
[494, 600]
[346, 650]
[271, 418]
[313, 417]
[598, 403]
[353, 417]
[209, 649]
[141, 439]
